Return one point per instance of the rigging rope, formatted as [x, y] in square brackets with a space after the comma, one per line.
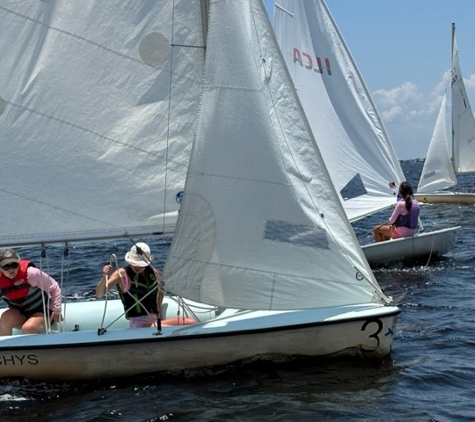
[63, 292]
[45, 301]
[431, 250]
[365, 233]
[112, 261]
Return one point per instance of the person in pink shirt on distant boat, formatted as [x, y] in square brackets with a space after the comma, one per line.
[404, 219]
[32, 295]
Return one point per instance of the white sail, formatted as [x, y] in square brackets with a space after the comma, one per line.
[105, 103]
[463, 122]
[96, 116]
[350, 134]
[260, 226]
[260, 229]
[451, 151]
[438, 172]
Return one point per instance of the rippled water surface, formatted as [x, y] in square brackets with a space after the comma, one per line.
[429, 376]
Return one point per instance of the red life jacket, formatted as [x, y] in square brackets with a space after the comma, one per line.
[18, 293]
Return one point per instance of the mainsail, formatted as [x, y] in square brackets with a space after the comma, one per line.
[438, 171]
[463, 122]
[350, 134]
[97, 116]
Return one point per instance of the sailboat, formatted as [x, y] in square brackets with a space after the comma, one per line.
[449, 177]
[348, 129]
[134, 119]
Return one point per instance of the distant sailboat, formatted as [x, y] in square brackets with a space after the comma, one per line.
[454, 131]
[349, 131]
[108, 129]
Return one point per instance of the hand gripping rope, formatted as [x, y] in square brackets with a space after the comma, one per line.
[102, 330]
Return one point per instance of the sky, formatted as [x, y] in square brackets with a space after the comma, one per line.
[402, 50]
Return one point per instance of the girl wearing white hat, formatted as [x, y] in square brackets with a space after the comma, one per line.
[139, 286]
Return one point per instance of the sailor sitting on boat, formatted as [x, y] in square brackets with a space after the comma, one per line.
[28, 292]
[404, 219]
[138, 285]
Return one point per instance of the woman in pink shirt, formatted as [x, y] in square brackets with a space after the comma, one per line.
[27, 291]
[404, 219]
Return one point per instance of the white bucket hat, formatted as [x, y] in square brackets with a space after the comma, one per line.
[139, 255]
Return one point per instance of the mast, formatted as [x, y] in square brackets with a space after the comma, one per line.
[453, 50]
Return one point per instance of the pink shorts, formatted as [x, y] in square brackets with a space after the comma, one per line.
[397, 232]
[143, 321]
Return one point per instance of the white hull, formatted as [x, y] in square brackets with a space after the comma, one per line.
[424, 245]
[446, 198]
[359, 330]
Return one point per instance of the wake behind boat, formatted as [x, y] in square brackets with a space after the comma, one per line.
[449, 177]
[143, 127]
[348, 129]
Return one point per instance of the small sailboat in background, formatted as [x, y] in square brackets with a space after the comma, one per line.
[117, 130]
[347, 127]
[449, 177]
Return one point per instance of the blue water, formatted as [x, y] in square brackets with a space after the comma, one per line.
[429, 376]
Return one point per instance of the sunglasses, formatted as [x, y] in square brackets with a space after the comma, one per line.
[9, 266]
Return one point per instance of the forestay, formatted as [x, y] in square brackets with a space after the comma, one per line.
[350, 134]
[96, 116]
[260, 226]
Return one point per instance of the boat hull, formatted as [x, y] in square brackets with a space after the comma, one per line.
[365, 330]
[445, 198]
[423, 246]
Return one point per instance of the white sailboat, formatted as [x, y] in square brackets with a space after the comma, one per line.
[449, 177]
[100, 103]
[347, 127]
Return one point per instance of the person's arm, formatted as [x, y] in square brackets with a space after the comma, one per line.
[43, 281]
[112, 280]
[397, 210]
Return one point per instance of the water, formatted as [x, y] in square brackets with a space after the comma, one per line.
[428, 377]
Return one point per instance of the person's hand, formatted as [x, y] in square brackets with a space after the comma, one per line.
[56, 318]
[106, 270]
